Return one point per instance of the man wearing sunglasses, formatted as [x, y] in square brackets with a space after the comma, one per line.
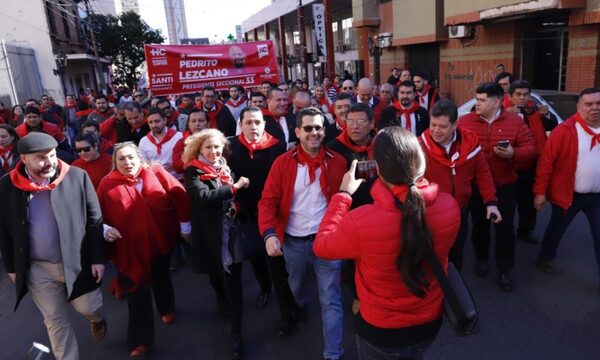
[172, 116]
[348, 87]
[297, 191]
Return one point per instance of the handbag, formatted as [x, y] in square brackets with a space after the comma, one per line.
[459, 305]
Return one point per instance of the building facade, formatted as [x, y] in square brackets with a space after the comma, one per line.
[176, 23]
[554, 44]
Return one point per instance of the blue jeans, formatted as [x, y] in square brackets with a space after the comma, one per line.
[561, 218]
[299, 255]
[368, 351]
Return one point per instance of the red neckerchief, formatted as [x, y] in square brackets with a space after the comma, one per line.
[265, 142]
[5, 154]
[212, 114]
[313, 163]
[83, 113]
[324, 100]
[424, 93]
[168, 136]
[72, 105]
[171, 120]
[406, 112]
[344, 138]
[464, 148]
[123, 179]
[138, 126]
[236, 104]
[341, 125]
[223, 173]
[586, 128]
[186, 134]
[275, 117]
[21, 181]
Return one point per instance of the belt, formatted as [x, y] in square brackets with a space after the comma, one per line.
[302, 238]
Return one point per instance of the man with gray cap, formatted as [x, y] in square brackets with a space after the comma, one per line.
[51, 240]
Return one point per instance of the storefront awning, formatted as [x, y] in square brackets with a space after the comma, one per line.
[273, 11]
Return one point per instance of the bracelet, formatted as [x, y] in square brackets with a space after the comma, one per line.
[345, 192]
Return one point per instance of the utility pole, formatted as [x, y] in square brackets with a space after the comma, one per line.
[302, 30]
[98, 67]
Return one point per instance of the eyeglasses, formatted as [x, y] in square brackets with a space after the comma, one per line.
[83, 149]
[359, 122]
[165, 108]
[348, 88]
[310, 128]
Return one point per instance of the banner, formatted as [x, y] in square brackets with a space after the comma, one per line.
[319, 24]
[180, 69]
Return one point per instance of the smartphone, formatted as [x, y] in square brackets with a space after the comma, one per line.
[503, 143]
[366, 170]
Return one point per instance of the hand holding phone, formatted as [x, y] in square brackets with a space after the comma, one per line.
[503, 144]
[366, 170]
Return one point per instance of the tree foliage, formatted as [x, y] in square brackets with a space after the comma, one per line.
[122, 40]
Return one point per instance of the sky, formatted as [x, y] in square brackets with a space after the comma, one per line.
[214, 19]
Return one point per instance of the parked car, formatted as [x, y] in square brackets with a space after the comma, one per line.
[561, 104]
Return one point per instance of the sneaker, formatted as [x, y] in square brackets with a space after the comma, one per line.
[482, 268]
[546, 266]
[505, 282]
[98, 329]
[168, 319]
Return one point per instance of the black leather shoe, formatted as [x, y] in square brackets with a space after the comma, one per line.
[286, 325]
[482, 268]
[237, 350]
[528, 238]
[505, 282]
[262, 300]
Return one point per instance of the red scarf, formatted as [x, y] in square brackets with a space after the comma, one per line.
[222, 174]
[422, 94]
[171, 120]
[212, 114]
[313, 163]
[236, 104]
[586, 128]
[138, 126]
[5, 154]
[344, 138]
[400, 191]
[275, 117]
[21, 181]
[464, 148]
[168, 136]
[265, 142]
[123, 179]
[71, 105]
[83, 113]
[406, 113]
[341, 125]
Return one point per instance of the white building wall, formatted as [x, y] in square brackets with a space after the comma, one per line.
[24, 23]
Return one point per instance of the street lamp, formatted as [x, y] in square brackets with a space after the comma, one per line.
[61, 64]
[375, 51]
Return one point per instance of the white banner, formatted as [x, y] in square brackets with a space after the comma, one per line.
[319, 23]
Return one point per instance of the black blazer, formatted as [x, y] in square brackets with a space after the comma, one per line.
[79, 220]
[273, 128]
[15, 159]
[389, 117]
[124, 132]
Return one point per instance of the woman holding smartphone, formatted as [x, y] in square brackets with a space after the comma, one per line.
[390, 240]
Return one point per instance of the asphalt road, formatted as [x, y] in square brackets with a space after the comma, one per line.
[553, 316]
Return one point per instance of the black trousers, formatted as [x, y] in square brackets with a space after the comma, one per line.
[527, 213]
[232, 283]
[505, 232]
[456, 251]
[261, 272]
[284, 295]
[140, 330]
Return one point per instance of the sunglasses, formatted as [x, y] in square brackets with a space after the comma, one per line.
[83, 149]
[310, 128]
[348, 88]
[165, 108]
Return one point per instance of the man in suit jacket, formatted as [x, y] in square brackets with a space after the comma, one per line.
[405, 111]
[364, 94]
[51, 240]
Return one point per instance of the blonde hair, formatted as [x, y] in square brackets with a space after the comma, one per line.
[123, 145]
[194, 142]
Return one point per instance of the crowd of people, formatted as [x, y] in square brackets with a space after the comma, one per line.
[139, 184]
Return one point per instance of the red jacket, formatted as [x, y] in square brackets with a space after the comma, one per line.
[470, 167]
[96, 169]
[555, 175]
[148, 220]
[176, 160]
[507, 126]
[371, 235]
[48, 128]
[107, 129]
[276, 201]
[535, 123]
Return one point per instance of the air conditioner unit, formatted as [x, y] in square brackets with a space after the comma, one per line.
[459, 31]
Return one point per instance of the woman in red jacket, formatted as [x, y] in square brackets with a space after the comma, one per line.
[94, 162]
[390, 240]
[145, 210]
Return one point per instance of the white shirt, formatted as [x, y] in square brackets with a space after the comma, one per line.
[308, 204]
[286, 131]
[587, 173]
[423, 100]
[413, 122]
[150, 153]
[493, 118]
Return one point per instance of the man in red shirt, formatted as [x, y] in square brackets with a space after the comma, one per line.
[568, 175]
[508, 146]
[455, 162]
[33, 123]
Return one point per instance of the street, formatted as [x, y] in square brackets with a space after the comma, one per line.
[552, 316]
